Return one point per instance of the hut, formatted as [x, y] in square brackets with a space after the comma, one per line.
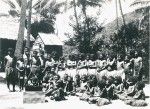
[48, 42]
[8, 35]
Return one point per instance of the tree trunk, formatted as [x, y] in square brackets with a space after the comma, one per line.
[124, 23]
[29, 25]
[86, 28]
[149, 39]
[75, 14]
[117, 15]
[122, 15]
[20, 40]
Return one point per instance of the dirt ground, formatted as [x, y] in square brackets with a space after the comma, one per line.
[14, 100]
[73, 102]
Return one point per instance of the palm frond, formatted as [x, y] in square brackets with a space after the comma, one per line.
[40, 4]
[91, 3]
[141, 2]
[10, 3]
[36, 4]
[143, 10]
[19, 2]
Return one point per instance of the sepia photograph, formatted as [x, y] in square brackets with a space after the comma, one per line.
[74, 54]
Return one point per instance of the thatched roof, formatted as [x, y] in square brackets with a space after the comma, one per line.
[50, 39]
[9, 28]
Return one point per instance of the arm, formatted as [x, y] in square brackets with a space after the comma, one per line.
[5, 61]
[140, 63]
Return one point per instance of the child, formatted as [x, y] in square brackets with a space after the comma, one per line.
[101, 63]
[65, 79]
[110, 88]
[76, 83]
[35, 65]
[69, 86]
[57, 93]
[48, 64]
[89, 91]
[130, 91]
[91, 84]
[139, 97]
[99, 92]
[52, 84]
[82, 65]
[71, 63]
[62, 64]
[83, 83]
[118, 86]
[21, 72]
[47, 78]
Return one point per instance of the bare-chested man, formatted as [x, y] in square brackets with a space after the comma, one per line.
[137, 64]
[9, 69]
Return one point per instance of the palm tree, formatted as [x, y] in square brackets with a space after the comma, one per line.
[48, 9]
[117, 15]
[121, 11]
[29, 25]
[75, 14]
[19, 44]
[84, 4]
[124, 23]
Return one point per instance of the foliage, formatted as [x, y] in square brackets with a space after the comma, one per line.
[48, 9]
[84, 36]
[135, 39]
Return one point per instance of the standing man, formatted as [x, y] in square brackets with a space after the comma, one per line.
[137, 65]
[27, 59]
[9, 63]
[43, 61]
[21, 72]
[35, 65]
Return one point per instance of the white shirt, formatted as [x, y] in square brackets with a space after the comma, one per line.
[9, 61]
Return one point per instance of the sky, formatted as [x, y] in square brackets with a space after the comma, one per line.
[107, 14]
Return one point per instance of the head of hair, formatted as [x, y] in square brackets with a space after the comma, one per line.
[104, 77]
[77, 76]
[42, 52]
[35, 52]
[10, 50]
[57, 76]
[140, 85]
[110, 80]
[132, 52]
[70, 79]
[133, 79]
[101, 84]
[90, 83]
[59, 84]
[65, 76]
[84, 77]
[118, 79]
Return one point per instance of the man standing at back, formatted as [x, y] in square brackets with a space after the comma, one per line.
[27, 59]
[9, 68]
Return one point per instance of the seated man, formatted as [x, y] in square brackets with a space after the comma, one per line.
[57, 93]
[130, 89]
[139, 97]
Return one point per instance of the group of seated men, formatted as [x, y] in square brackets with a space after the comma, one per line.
[93, 90]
